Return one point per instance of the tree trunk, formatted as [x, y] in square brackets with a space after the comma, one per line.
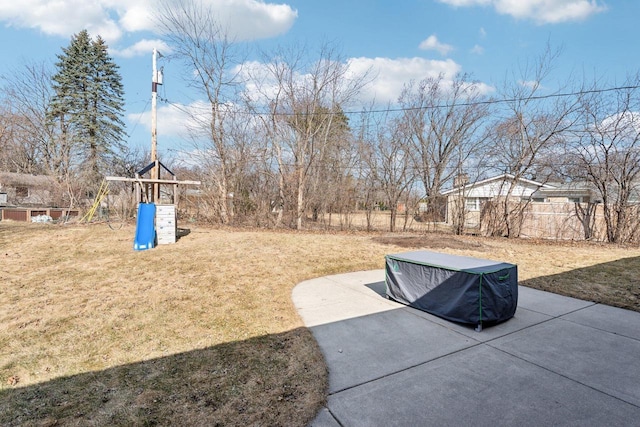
[300, 200]
[392, 223]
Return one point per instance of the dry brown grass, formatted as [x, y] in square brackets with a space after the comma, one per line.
[203, 332]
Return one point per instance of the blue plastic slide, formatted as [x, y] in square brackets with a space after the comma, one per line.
[145, 227]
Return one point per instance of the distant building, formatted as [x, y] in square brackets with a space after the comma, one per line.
[24, 197]
[19, 189]
[549, 210]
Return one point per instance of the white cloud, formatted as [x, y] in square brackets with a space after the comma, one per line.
[539, 11]
[392, 74]
[432, 43]
[531, 84]
[61, 18]
[181, 125]
[143, 47]
[111, 19]
[179, 120]
[477, 50]
[254, 19]
[624, 125]
[260, 84]
[137, 17]
[549, 11]
[174, 120]
[388, 77]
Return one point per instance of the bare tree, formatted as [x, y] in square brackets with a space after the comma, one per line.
[305, 101]
[18, 153]
[34, 146]
[330, 186]
[247, 183]
[442, 121]
[213, 68]
[534, 130]
[367, 186]
[268, 83]
[6, 138]
[388, 159]
[607, 155]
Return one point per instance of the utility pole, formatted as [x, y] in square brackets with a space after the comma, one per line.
[156, 80]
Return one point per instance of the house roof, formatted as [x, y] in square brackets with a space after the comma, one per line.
[12, 179]
[568, 189]
[502, 177]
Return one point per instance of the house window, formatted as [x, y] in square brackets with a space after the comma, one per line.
[474, 203]
[22, 191]
[575, 199]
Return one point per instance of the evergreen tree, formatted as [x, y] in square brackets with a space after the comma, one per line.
[88, 104]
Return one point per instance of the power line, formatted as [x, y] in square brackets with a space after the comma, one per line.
[144, 109]
[500, 101]
[427, 107]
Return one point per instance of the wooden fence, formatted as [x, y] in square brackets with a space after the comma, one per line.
[26, 214]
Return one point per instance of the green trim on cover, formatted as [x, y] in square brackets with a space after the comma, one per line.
[480, 299]
[410, 261]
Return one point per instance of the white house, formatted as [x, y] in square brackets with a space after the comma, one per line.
[553, 201]
[505, 185]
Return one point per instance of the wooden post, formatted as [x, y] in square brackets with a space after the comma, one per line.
[138, 189]
[156, 80]
[175, 192]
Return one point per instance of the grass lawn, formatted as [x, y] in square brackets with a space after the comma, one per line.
[203, 332]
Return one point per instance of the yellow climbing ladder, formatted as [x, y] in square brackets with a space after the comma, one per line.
[102, 193]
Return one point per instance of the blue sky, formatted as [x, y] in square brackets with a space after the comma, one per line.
[400, 40]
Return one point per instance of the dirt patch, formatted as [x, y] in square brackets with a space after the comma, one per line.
[435, 241]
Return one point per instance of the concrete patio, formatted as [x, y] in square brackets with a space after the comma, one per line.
[559, 361]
